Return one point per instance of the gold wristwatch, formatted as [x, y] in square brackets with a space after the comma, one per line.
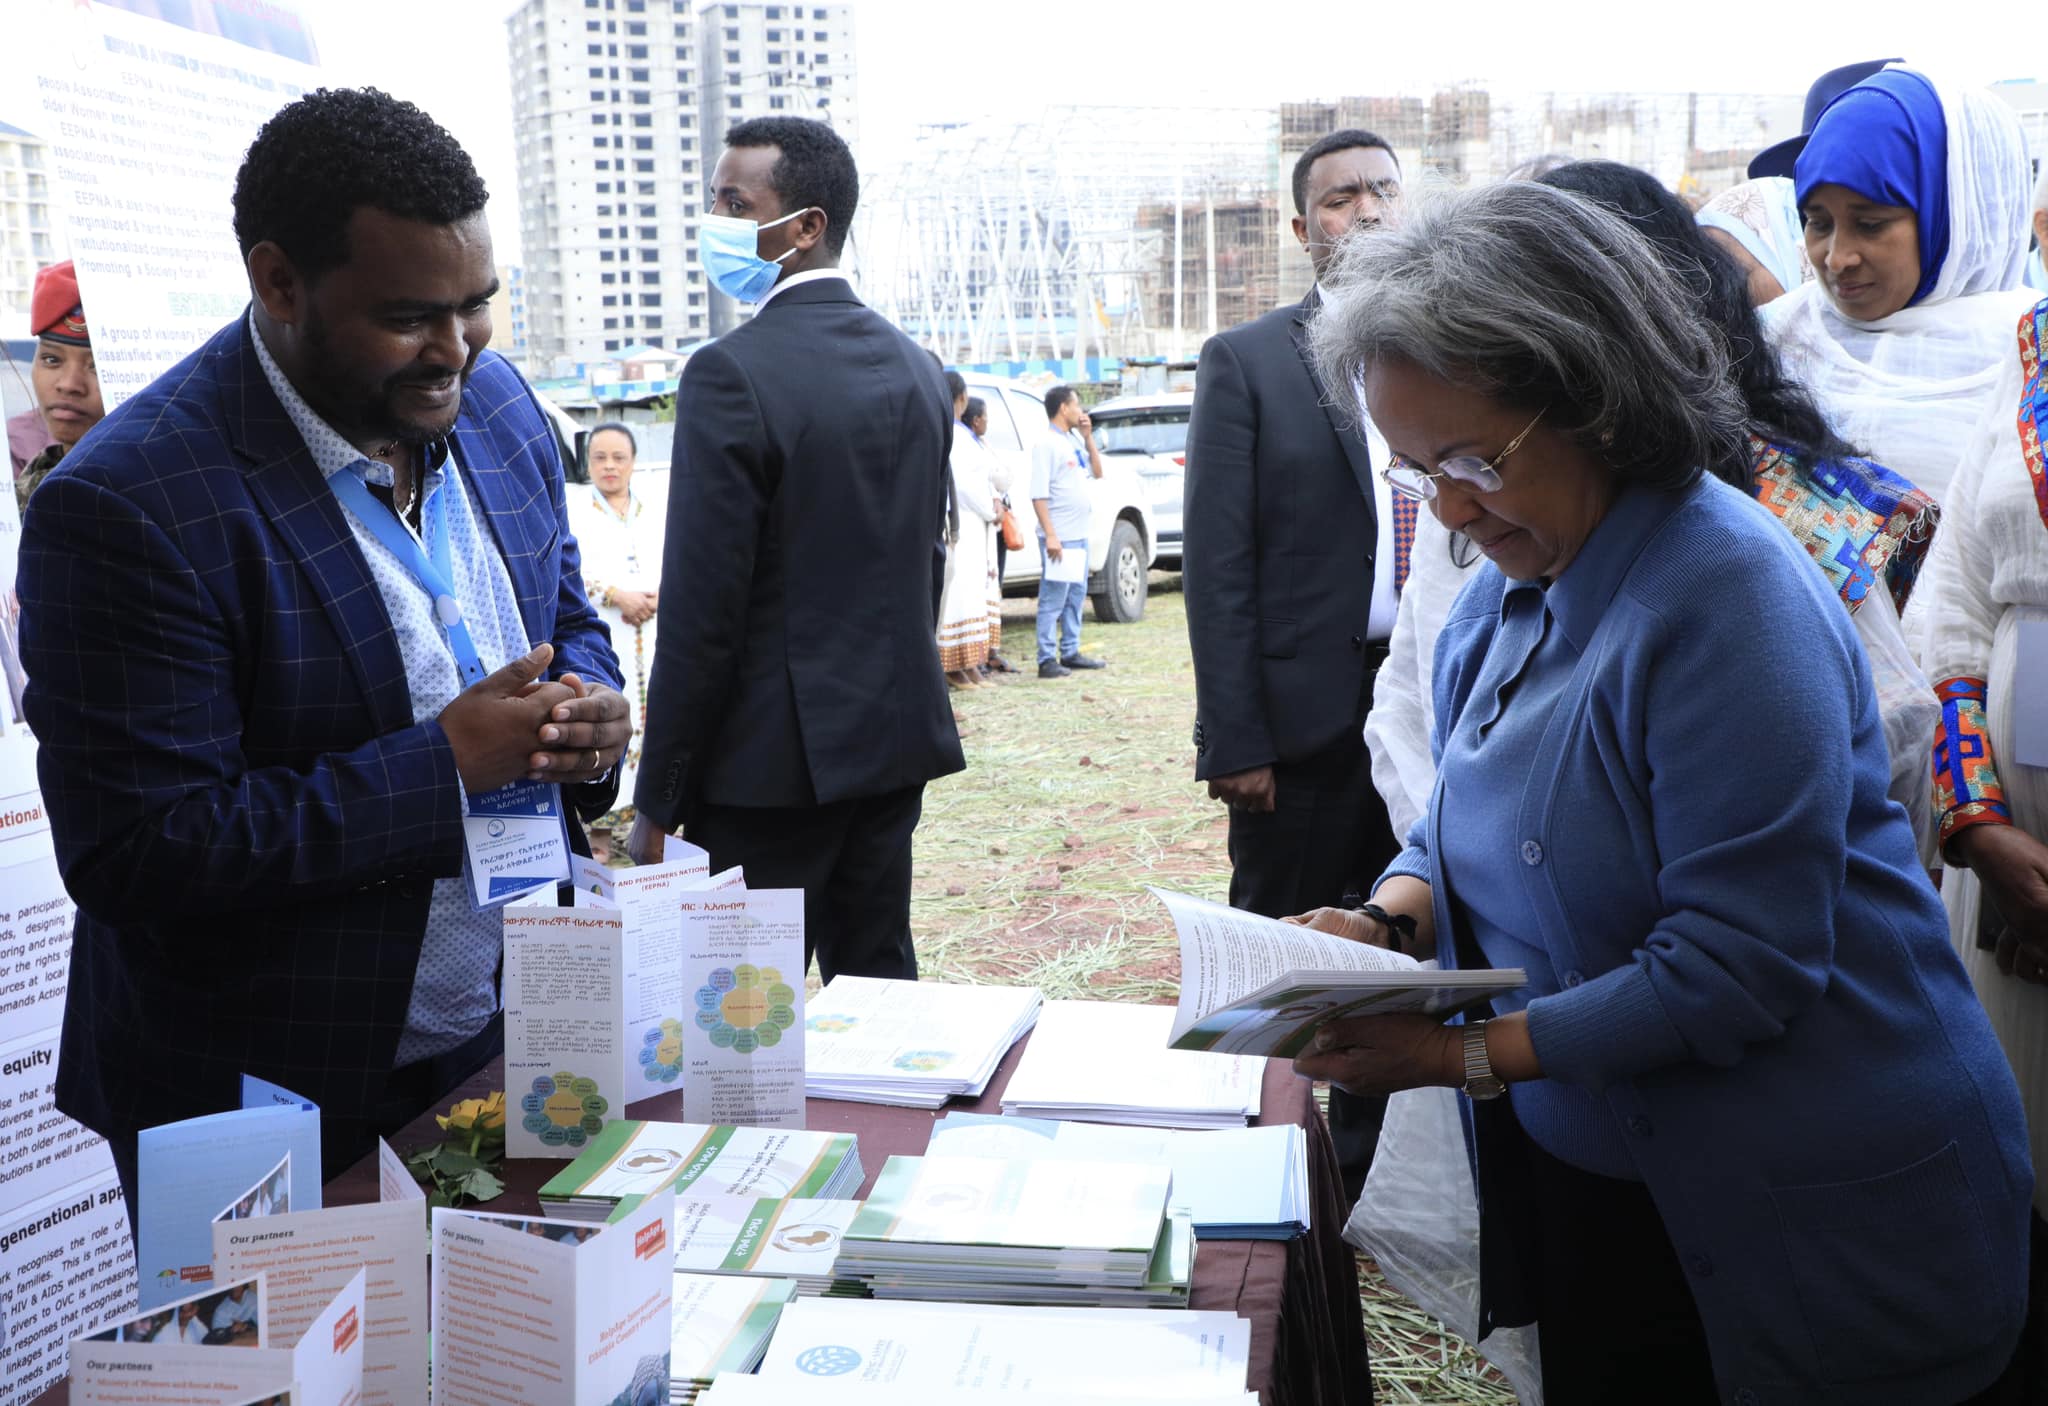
[1480, 1080]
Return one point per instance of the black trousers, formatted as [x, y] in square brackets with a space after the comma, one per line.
[851, 859]
[1327, 839]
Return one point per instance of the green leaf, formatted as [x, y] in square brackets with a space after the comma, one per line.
[453, 1161]
[480, 1185]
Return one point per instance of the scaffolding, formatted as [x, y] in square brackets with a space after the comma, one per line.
[1091, 232]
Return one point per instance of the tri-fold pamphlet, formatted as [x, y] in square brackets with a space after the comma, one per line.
[720, 1325]
[920, 1351]
[1109, 1062]
[911, 1044]
[1252, 985]
[1024, 1231]
[795, 1238]
[633, 1159]
[220, 1348]
[1235, 1183]
[305, 1257]
[743, 966]
[262, 1159]
[552, 1313]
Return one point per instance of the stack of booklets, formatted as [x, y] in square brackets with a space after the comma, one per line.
[921, 1351]
[797, 1238]
[910, 1044]
[629, 1160]
[1252, 985]
[1236, 1183]
[732, 1389]
[1107, 1062]
[720, 1324]
[987, 1230]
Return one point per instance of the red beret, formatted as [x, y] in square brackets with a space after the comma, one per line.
[54, 309]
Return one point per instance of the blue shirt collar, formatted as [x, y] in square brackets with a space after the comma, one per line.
[1578, 598]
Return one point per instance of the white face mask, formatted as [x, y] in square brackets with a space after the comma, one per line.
[729, 248]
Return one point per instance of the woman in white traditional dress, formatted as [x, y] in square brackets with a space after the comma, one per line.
[966, 612]
[620, 537]
[1988, 655]
[1915, 197]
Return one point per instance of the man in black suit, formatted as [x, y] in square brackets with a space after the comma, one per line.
[1289, 567]
[796, 708]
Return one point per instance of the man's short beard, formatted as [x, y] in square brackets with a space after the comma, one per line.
[370, 415]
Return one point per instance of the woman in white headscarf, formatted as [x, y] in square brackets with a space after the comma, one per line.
[1757, 225]
[1915, 200]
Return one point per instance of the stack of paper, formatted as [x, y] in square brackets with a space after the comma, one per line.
[631, 1159]
[733, 1389]
[911, 1044]
[923, 1350]
[720, 1324]
[979, 1229]
[797, 1238]
[1236, 1183]
[1106, 1062]
[1257, 986]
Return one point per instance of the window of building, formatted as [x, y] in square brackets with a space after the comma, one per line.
[603, 188]
[683, 77]
[774, 36]
[799, 36]
[775, 12]
[612, 345]
[686, 143]
[650, 232]
[822, 81]
[641, 97]
[650, 256]
[732, 34]
[592, 5]
[775, 103]
[643, 119]
[610, 300]
[646, 188]
[597, 96]
[732, 56]
[775, 80]
[615, 73]
[822, 59]
[648, 212]
[596, 49]
[611, 324]
[819, 36]
[696, 300]
[732, 12]
[651, 323]
[689, 168]
[593, 26]
[597, 72]
[644, 166]
[733, 102]
[602, 165]
[636, 51]
[687, 121]
[636, 28]
[732, 80]
[611, 26]
[643, 143]
[640, 75]
[604, 256]
[607, 277]
[777, 58]
[649, 276]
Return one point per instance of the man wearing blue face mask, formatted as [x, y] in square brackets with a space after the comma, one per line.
[796, 708]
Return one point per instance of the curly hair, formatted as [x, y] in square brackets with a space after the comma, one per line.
[1542, 300]
[335, 150]
[815, 170]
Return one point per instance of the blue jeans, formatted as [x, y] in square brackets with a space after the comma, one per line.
[1059, 609]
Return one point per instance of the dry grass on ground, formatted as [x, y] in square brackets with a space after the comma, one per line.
[1032, 866]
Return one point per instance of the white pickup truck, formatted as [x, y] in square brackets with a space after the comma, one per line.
[1121, 539]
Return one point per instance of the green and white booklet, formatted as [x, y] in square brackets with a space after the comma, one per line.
[1252, 985]
[635, 1159]
[795, 1238]
[720, 1325]
[911, 1044]
[957, 1225]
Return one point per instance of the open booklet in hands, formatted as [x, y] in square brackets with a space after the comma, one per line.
[1257, 986]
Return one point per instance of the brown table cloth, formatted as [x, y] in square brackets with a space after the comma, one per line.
[1301, 1296]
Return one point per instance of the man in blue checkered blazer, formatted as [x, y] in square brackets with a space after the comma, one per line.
[256, 732]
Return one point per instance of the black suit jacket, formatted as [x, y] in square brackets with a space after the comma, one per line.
[1280, 533]
[796, 662]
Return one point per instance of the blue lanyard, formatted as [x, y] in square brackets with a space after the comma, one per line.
[434, 575]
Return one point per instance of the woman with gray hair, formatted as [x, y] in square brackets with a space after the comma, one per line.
[1758, 1142]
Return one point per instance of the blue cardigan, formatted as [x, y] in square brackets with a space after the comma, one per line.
[1756, 976]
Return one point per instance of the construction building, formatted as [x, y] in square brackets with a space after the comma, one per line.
[28, 235]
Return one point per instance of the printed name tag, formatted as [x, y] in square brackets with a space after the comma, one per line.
[517, 842]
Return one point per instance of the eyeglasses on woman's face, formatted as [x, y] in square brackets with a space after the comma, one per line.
[1469, 471]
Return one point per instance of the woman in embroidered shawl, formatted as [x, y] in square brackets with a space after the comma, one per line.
[1865, 527]
[1915, 201]
[1988, 656]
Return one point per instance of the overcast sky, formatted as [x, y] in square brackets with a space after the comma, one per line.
[946, 60]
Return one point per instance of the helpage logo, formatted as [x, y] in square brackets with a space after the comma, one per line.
[345, 1331]
[651, 1241]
